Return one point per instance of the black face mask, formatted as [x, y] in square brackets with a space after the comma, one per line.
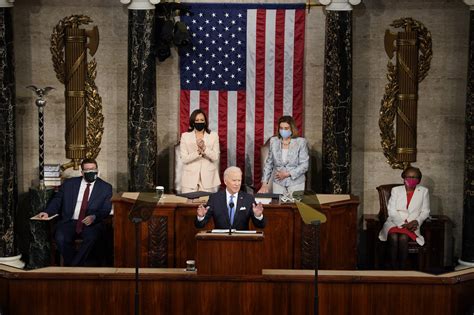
[90, 176]
[199, 126]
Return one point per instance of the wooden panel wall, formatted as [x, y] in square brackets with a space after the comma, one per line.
[174, 292]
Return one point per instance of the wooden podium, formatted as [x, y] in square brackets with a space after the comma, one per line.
[224, 254]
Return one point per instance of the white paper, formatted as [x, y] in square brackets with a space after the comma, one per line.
[37, 217]
[264, 201]
[222, 231]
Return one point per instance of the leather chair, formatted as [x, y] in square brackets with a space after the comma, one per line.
[178, 168]
[380, 253]
[264, 149]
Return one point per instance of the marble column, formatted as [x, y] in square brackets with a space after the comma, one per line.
[142, 137]
[337, 97]
[467, 255]
[8, 169]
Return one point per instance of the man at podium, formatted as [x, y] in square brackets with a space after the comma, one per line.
[231, 208]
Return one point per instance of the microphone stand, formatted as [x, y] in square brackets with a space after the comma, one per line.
[136, 222]
[316, 228]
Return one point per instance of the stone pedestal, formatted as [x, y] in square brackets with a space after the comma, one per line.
[40, 232]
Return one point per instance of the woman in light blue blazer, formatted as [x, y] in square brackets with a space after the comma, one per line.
[287, 160]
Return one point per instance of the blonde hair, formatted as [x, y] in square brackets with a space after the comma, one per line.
[290, 121]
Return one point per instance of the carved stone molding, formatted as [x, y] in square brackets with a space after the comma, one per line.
[158, 242]
[309, 239]
[339, 5]
[140, 4]
[6, 3]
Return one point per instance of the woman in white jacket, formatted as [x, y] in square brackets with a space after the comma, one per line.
[408, 207]
[200, 156]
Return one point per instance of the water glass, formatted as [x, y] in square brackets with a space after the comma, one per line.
[159, 191]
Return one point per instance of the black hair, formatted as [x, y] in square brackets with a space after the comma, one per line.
[411, 168]
[192, 118]
[88, 161]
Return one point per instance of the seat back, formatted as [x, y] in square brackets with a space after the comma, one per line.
[178, 168]
[264, 149]
[384, 196]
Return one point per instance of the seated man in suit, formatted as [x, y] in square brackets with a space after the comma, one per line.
[231, 207]
[83, 202]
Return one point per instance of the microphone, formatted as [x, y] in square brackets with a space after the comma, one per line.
[231, 206]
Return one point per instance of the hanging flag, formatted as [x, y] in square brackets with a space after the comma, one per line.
[245, 70]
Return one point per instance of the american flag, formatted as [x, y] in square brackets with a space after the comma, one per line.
[245, 70]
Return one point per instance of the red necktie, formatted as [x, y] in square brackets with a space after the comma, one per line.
[82, 213]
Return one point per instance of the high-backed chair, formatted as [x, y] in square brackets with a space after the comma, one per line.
[178, 168]
[264, 149]
[380, 252]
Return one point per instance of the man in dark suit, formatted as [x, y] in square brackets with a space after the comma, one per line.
[82, 202]
[231, 207]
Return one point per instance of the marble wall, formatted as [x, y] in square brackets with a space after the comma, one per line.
[441, 103]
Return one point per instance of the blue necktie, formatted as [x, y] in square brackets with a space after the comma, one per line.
[231, 212]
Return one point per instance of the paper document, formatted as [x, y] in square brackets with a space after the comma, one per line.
[37, 217]
[222, 231]
[264, 201]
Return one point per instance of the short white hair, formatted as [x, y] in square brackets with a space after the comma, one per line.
[232, 169]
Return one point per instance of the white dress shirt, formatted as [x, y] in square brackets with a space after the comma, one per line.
[82, 188]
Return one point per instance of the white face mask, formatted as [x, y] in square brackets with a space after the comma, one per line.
[285, 134]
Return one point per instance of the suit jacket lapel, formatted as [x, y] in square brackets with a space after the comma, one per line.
[95, 192]
[239, 204]
[414, 200]
[292, 150]
[223, 201]
[277, 151]
[76, 188]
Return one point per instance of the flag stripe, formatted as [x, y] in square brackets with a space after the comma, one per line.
[241, 128]
[212, 115]
[250, 93]
[269, 73]
[245, 70]
[194, 99]
[222, 131]
[298, 69]
[259, 90]
[184, 110]
[288, 82]
[279, 64]
[231, 127]
[204, 101]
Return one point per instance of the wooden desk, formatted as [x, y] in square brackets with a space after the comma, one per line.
[55, 291]
[167, 239]
[224, 254]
